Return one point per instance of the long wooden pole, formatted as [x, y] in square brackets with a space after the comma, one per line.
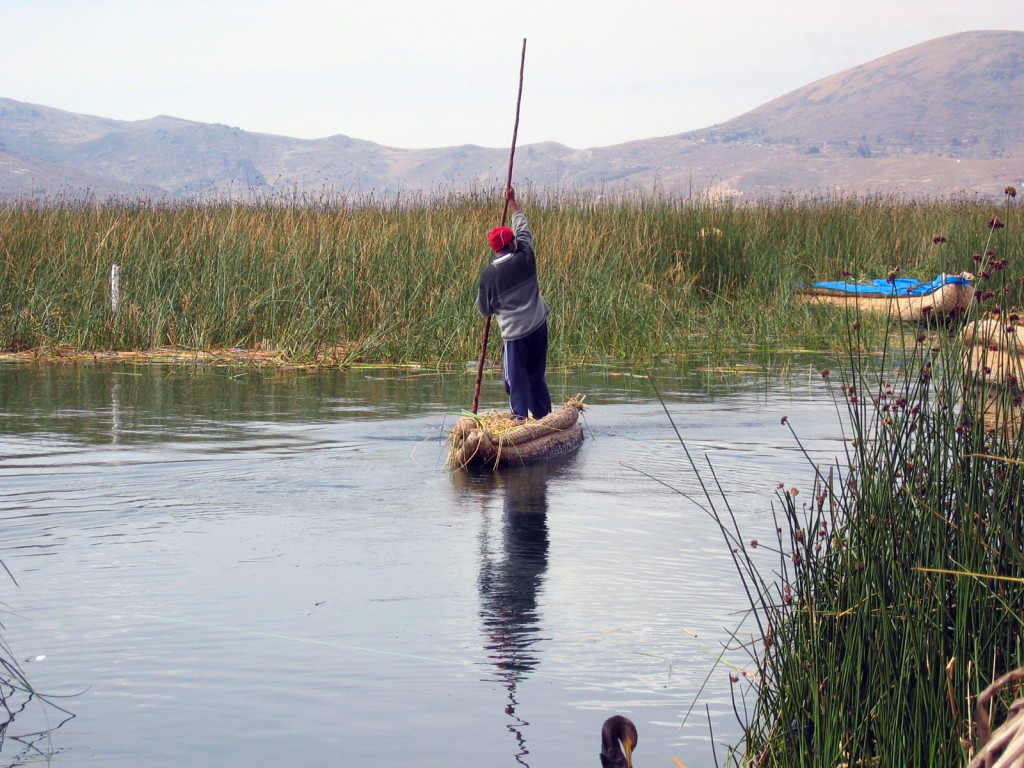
[504, 216]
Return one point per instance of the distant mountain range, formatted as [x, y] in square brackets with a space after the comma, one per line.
[939, 119]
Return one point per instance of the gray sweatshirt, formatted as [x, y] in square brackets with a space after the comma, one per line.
[509, 289]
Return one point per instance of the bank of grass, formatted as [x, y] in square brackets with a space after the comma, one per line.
[893, 594]
[386, 282]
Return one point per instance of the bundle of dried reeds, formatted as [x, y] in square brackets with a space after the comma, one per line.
[1004, 747]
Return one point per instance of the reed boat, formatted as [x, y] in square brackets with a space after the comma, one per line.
[944, 298]
[495, 440]
[993, 364]
[994, 351]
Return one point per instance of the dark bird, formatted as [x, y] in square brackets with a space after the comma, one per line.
[618, 740]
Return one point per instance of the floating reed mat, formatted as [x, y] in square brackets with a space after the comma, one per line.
[260, 356]
[497, 440]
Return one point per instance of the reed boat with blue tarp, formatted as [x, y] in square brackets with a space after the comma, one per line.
[944, 298]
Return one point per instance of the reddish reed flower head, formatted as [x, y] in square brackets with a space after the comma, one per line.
[995, 223]
[1010, 191]
[936, 239]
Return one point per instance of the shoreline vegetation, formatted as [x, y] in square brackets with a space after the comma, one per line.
[892, 596]
[315, 284]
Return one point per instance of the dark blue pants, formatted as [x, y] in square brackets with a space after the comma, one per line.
[526, 362]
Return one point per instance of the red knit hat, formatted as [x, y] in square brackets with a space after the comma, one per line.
[500, 237]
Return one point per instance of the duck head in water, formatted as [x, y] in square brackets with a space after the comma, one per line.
[618, 740]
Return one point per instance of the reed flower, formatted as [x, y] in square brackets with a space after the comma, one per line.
[995, 223]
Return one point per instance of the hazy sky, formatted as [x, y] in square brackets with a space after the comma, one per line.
[419, 73]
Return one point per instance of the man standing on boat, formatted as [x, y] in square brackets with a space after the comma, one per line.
[509, 291]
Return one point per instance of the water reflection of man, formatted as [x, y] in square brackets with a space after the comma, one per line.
[509, 585]
[510, 581]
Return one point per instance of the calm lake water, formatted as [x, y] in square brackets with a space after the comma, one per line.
[224, 568]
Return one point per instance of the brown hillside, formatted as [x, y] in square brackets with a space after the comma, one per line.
[957, 96]
[938, 119]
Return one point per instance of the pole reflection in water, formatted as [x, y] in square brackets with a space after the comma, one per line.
[115, 413]
[511, 576]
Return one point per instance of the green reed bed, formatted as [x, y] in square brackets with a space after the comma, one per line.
[894, 592]
[394, 282]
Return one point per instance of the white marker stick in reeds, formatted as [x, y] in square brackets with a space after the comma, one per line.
[115, 287]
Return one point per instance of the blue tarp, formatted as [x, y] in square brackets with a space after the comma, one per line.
[901, 286]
